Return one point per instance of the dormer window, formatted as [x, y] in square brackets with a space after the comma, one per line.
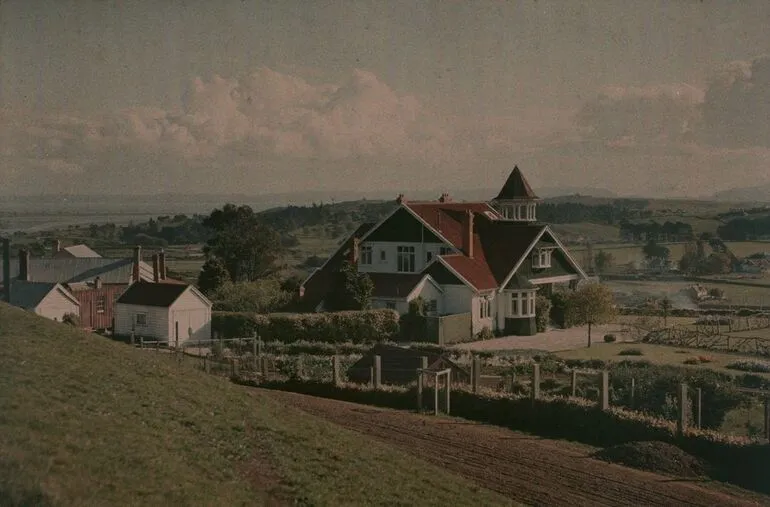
[541, 258]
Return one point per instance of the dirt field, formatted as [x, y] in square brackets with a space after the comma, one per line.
[524, 468]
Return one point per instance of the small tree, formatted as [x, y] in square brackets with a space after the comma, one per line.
[665, 306]
[591, 304]
[603, 261]
[542, 313]
[213, 275]
[352, 289]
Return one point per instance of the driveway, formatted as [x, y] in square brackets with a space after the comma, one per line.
[552, 340]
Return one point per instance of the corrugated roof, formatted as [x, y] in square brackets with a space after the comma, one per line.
[152, 294]
[516, 187]
[82, 270]
[28, 295]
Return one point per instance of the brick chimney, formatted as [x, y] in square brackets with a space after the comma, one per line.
[444, 198]
[354, 251]
[24, 265]
[7, 269]
[162, 264]
[400, 199]
[137, 259]
[155, 268]
[468, 233]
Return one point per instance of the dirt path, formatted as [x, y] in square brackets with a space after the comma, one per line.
[522, 467]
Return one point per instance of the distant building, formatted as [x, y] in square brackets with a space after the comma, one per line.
[163, 311]
[73, 252]
[48, 299]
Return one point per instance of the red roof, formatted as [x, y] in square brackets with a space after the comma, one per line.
[516, 187]
[447, 217]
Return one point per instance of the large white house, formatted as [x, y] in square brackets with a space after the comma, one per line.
[164, 311]
[488, 259]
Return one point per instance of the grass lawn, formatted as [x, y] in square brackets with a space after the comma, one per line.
[88, 421]
[659, 354]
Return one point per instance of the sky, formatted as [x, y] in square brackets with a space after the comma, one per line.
[668, 98]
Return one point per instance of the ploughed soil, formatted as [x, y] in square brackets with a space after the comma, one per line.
[523, 467]
[659, 457]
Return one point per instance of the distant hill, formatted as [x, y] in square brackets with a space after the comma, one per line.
[759, 193]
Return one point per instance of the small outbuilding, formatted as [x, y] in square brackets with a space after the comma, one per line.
[163, 311]
[50, 300]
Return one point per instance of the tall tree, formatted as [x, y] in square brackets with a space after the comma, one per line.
[213, 275]
[247, 247]
[591, 304]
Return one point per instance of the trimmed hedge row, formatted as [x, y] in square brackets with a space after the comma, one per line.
[736, 460]
[367, 326]
[343, 348]
[686, 312]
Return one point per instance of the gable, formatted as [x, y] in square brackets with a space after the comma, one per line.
[442, 275]
[560, 263]
[402, 226]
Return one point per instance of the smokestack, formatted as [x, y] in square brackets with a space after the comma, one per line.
[7, 269]
[468, 234]
[162, 264]
[155, 268]
[137, 260]
[24, 265]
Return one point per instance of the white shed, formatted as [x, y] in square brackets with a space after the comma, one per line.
[163, 311]
[49, 300]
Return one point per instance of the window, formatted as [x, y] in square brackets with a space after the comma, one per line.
[383, 256]
[428, 257]
[406, 259]
[444, 250]
[541, 258]
[431, 306]
[485, 308]
[522, 304]
[366, 254]
[101, 303]
[140, 319]
[390, 305]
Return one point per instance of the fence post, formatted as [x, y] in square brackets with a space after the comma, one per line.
[423, 366]
[300, 366]
[336, 370]
[605, 390]
[699, 401]
[377, 372]
[435, 394]
[535, 382]
[767, 418]
[573, 383]
[264, 368]
[476, 373]
[420, 375]
[206, 364]
[259, 346]
[236, 367]
[448, 389]
[633, 392]
[141, 342]
[681, 421]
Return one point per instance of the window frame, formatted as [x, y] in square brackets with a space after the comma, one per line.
[100, 304]
[144, 319]
[485, 308]
[406, 259]
[521, 304]
[366, 255]
[541, 258]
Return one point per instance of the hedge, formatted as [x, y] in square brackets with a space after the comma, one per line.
[737, 460]
[367, 326]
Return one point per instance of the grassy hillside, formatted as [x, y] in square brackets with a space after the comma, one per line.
[87, 421]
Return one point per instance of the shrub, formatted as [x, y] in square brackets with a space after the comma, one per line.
[72, 319]
[262, 296]
[543, 313]
[485, 334]
[631, 352]
[368, 326]
[752, 366]
[609, 338]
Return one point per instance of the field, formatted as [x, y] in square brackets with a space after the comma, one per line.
[88, 421]
[734, 294]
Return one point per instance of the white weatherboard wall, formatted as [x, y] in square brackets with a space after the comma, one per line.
[193, 315]
[157, 321]
[477, 322]
[390, 264]
[457, 299]
[55, 305]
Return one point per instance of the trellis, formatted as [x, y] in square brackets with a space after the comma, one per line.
[422, 373]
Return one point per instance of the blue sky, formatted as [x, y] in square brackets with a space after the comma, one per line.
[663, 98]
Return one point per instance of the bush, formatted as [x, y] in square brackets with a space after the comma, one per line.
[262, 296]
[609, 338]
[631, 352]
[72, 319]
[368, 326]
[485, 334]
[752, 366]
[542, 313]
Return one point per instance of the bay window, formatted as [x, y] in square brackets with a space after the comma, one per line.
[522, 304]
[406, 259]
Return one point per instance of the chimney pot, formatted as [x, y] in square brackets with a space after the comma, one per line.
[400, 199]
[444, 197]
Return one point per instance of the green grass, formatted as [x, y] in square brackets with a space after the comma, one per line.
[658, 354]
[88, 421]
